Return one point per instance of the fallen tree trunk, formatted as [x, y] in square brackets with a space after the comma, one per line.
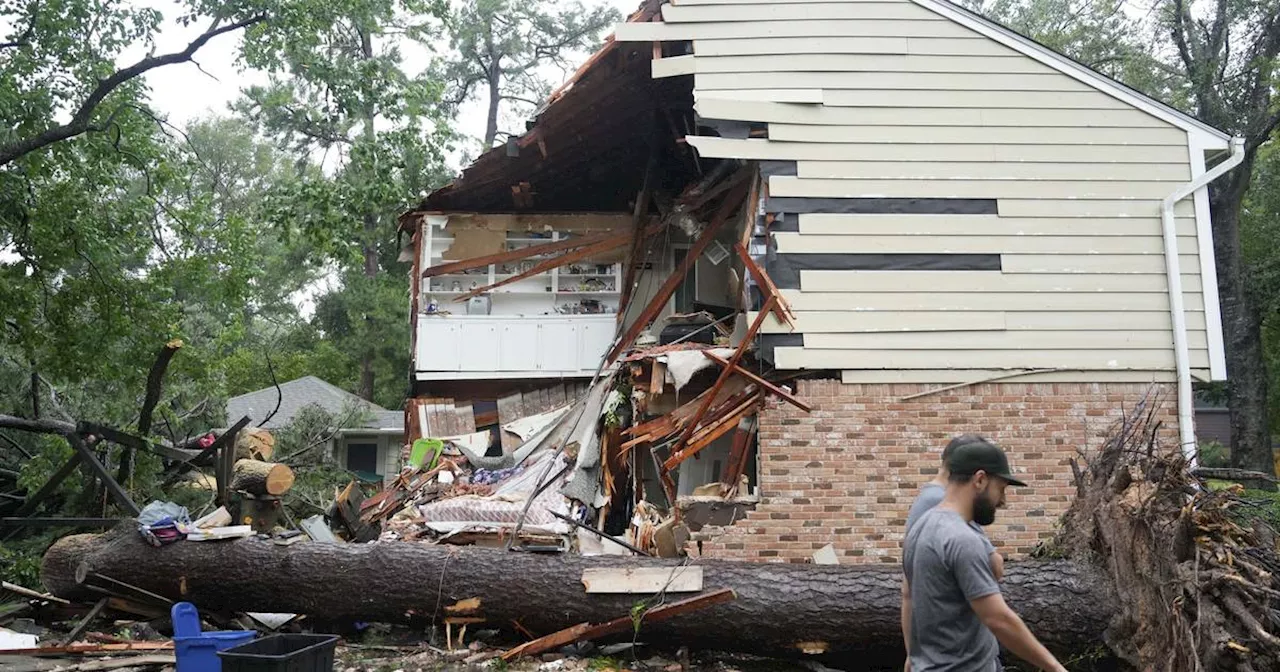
[262, 478]
[779, 609]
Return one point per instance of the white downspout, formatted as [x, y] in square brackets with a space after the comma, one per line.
[1173, 271]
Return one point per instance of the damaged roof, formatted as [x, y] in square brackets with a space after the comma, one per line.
[587, 146]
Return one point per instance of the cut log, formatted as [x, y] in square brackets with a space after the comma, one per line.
[253, 443]
[262, 478]
[852, 610]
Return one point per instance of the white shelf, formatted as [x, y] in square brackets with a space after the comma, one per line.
[604, 293]
[588, 275]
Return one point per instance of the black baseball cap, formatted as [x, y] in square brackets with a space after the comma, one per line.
[971, 457]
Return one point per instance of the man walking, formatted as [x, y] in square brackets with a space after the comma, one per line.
[931, 495]
[956, 618]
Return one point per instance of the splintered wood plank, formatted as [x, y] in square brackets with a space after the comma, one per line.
[781, 393]
[643, 580]
[513, 255]
[466, 417]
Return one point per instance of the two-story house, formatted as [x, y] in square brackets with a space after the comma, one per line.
[975, 234]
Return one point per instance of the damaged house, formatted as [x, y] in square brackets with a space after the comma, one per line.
[751, 267]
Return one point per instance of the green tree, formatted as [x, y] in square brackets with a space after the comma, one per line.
[1216, 60]
[499, 46]
[342, 90]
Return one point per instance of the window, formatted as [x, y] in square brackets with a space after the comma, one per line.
[362, 457]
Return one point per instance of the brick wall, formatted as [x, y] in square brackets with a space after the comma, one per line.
[847, 473]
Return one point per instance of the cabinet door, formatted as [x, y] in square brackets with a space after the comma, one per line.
[558, 346]
[518, 350]
[480, 346]
[594, 339]
[439, 342]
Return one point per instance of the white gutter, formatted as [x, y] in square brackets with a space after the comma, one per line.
[1173, 271]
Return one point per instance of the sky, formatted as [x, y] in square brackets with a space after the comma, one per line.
[189, 91]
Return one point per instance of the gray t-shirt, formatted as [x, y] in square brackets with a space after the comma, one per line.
[947, 566]
[931, 495]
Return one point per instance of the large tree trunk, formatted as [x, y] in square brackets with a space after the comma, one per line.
[262, 478]
[780, 609]
[1242, 330]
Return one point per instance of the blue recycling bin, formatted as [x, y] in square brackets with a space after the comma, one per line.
[197, 651]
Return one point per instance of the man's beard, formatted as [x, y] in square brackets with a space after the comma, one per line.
[984, 510]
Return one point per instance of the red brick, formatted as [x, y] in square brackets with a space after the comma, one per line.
[859, 458]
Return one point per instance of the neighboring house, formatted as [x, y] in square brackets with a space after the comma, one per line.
[1213, 423]
[967, 225]
[370, 446]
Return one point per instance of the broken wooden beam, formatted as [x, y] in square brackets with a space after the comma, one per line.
[761, 382]
[584, 631]
[781, 308]
[514, 255]
[27, 592]
[85, 622]
[659, 300]
[725, 373]
[606, 245]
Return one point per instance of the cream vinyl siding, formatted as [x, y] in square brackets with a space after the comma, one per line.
[889, 99]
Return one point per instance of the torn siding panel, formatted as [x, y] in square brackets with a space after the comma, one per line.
[803, 301]
[813, 324]
[986, 135]
[773, 149]
[888, 321]
[802, 243]
[818, 62]
[1009, 171]
[891, 81]
[987, 281]
[776, 112]
[822, 223]
[809, 358]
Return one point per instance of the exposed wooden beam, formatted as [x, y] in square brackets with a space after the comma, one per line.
[514, 255]
[731, 202]
[781, 393]
[610, 243]
[780, 307]
[726, 372]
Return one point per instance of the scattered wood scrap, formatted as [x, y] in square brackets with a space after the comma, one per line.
[586, 631]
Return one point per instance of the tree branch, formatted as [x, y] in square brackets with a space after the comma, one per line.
[79, 123]
[56, 427]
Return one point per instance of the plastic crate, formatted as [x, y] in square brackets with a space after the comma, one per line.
[197, 651]
[282, 653]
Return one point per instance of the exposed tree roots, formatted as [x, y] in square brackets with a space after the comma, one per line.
[1196, 591]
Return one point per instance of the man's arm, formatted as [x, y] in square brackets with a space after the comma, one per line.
[906, 623]
[1013, 633]
[997, 565]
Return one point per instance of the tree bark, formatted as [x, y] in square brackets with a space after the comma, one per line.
[1242, 330]
[262, 478]
[846, 611]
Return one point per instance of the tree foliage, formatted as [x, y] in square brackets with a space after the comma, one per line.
[499, 48]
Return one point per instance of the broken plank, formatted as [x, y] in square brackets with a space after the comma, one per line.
[584, 631]
[27, 592]
[781, 308]
[778, 391]
[673, 281]
[514, 255]
[86, 621]
[643, 580]
[552, 641]
[605, 245]
[90, 649]
[117, 663]
[465, 607]
[725, 373]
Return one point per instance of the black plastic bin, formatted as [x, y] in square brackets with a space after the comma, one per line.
[282, 653]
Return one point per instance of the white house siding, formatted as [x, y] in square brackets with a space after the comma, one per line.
[888, 101]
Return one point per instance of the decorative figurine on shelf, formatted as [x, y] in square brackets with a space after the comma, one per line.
[432, 306]
[457, 286]
[474, 284]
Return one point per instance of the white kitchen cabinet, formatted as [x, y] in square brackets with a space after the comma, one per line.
[457, 347]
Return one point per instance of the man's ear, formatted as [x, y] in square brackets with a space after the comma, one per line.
[980, 479]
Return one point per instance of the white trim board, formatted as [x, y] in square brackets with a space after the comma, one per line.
[1208, 265]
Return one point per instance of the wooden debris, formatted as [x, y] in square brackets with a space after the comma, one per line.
[773, 389]
[91, 649]
[27, 592]
[586, 631]
[643, 580]
[514, 255]
[84, 623]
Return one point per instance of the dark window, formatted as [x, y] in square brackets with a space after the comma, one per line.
[362, 457]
